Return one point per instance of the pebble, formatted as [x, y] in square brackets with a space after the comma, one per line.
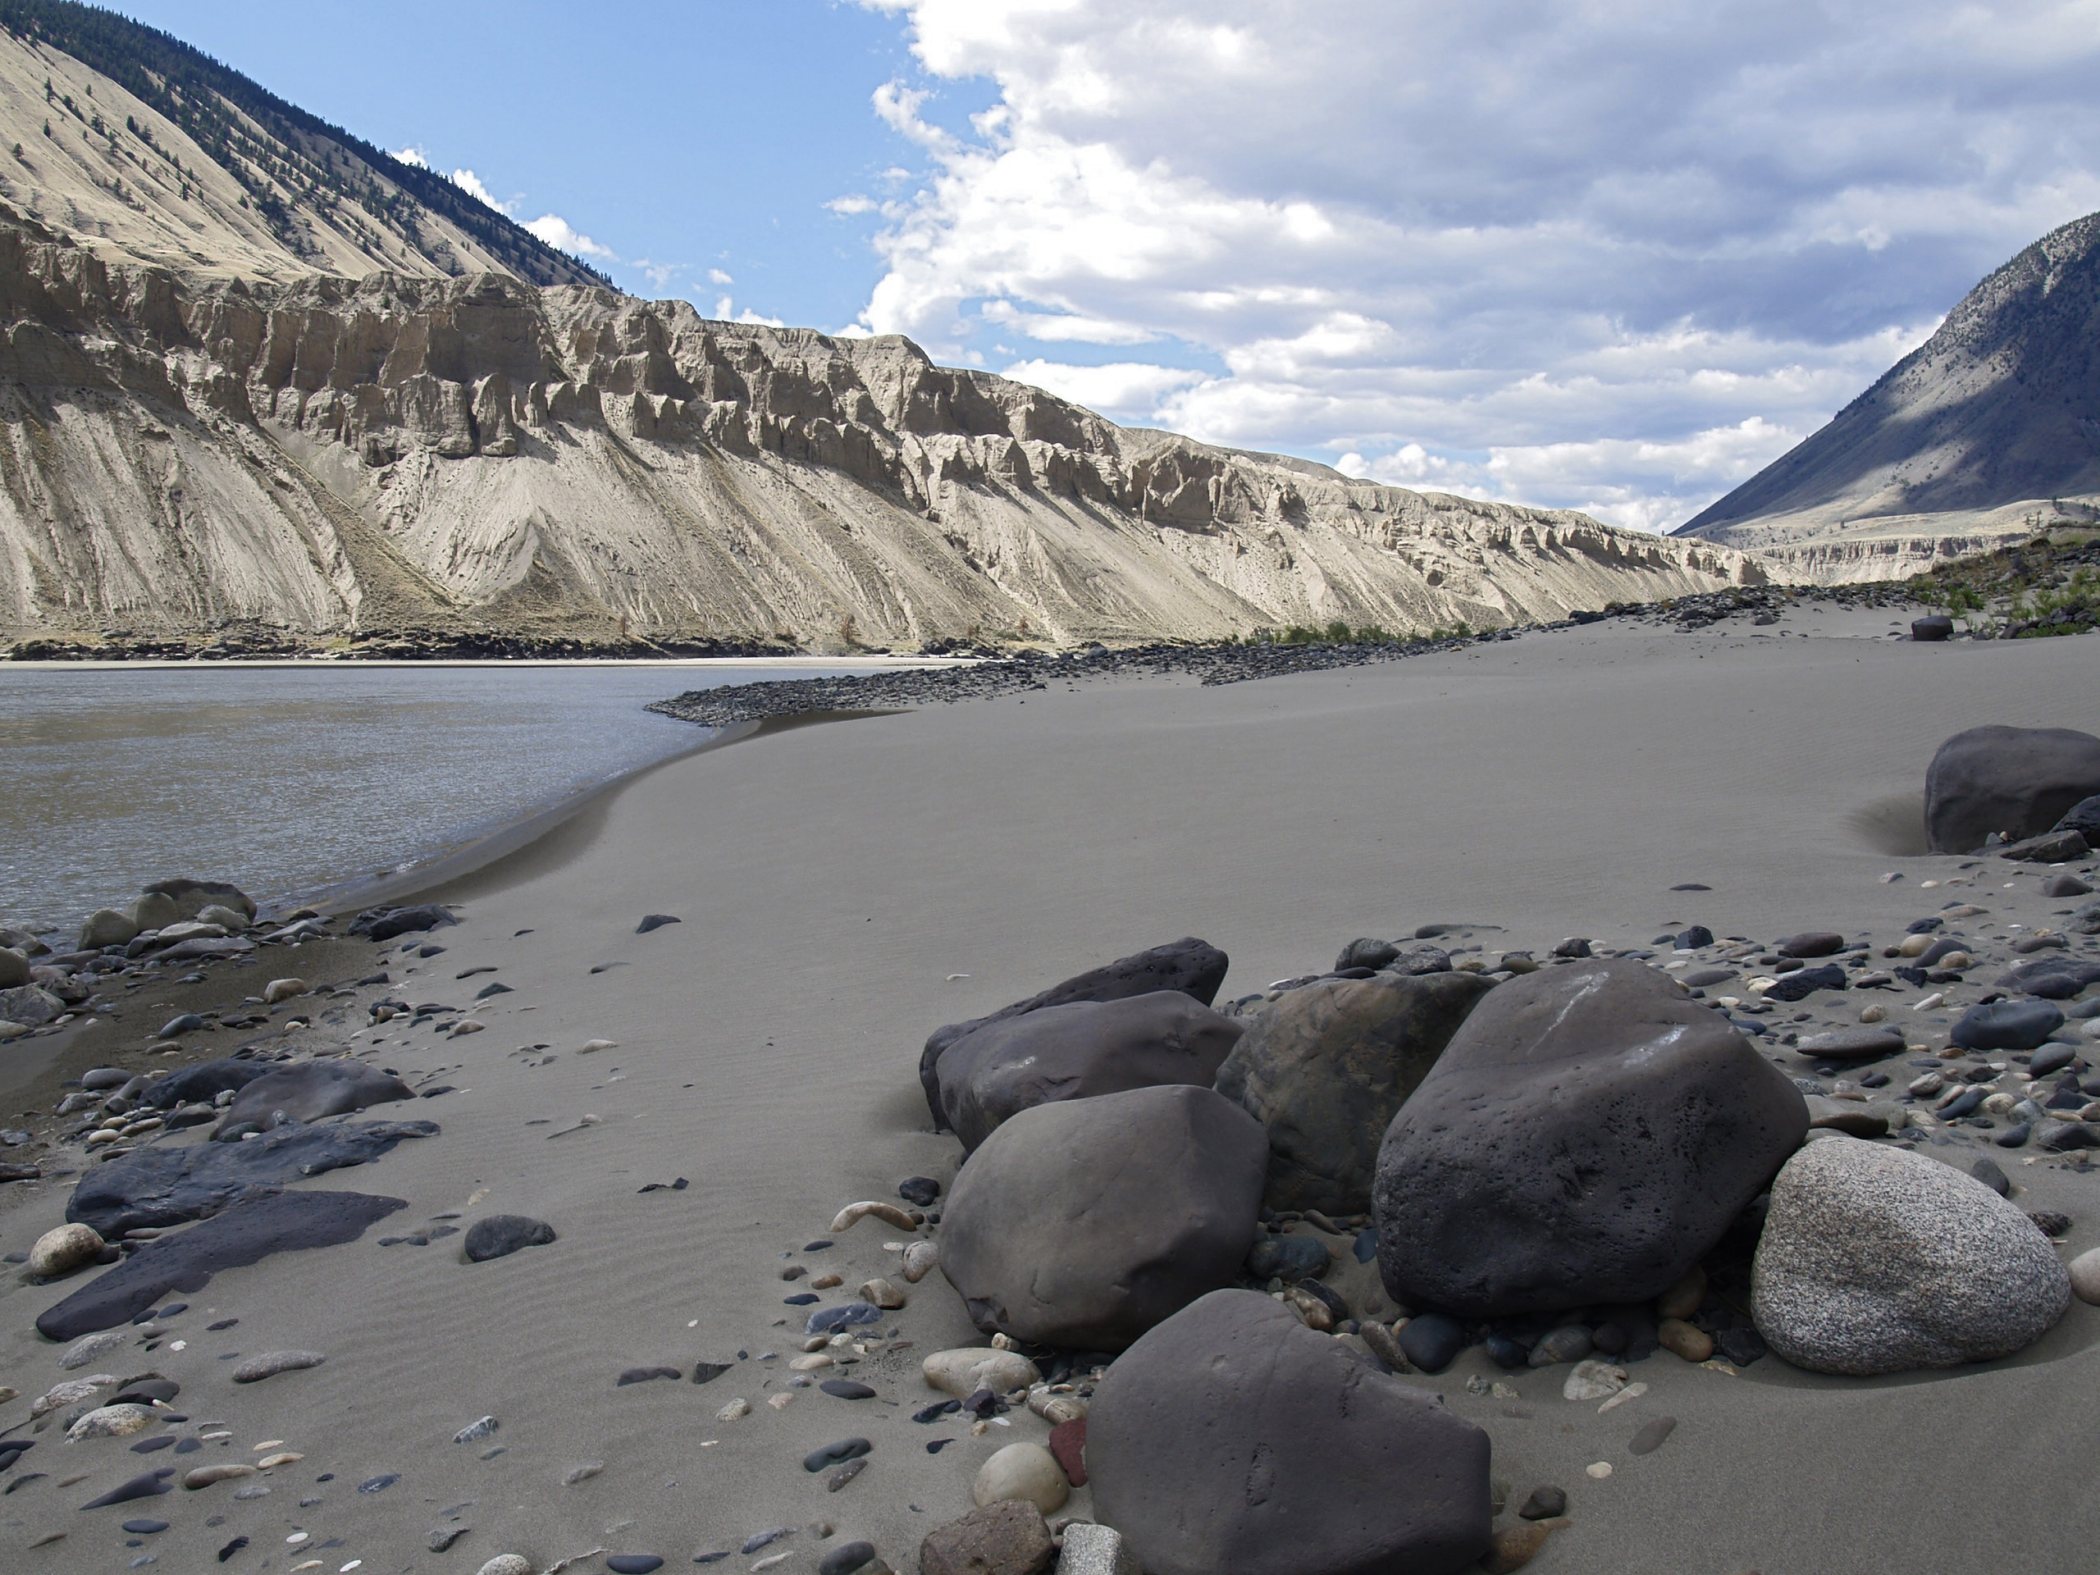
[1027, 1472]
[283, 1457]
[846, 1558]
[62, 1250]
[2085, 1276]
[1569, 1343]
[853, 1213]
[278, 990]
[1597, 1470]
[846, 1389]
[920, 1259]
[71, 1392]
[90, 1346]
[1513, 1547]
[476, 1430]
[1432, 1341]
[1593, 1381]
[507, 1564]
[1544, 1503]
[270, 1363]
[112, 1421]
[500, 1235]
[633, 1563]
[442, 1537]
[964, 1371]
[881, 1293]
[1651, 1435]
[1684, 1339]
[205, 1476]
[582, 1471]
[735, 1411]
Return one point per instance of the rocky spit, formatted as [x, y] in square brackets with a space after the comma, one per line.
[996, 674]
[1219, 1243]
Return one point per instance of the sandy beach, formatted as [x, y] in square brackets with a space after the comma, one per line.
[842, 890]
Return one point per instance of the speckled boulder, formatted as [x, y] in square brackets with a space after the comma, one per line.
[1325, 1067]
[1078, 1051]
[1234, 1438]
[1084, 1223]
[2014, 781]
[1586, 1137]
[1193, 967]
[1878, 1260]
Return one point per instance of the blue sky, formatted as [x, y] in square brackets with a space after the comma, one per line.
[1598, 254]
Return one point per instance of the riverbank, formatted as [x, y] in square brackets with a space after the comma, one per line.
[840, 891]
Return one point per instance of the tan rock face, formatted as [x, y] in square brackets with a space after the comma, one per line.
[323, 455]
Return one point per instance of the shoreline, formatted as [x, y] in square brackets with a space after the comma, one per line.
[841, 895]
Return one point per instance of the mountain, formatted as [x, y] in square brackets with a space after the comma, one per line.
[239, 389]
[1989, 427]
[136, 145]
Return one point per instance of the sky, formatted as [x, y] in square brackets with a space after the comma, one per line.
[1596, 254]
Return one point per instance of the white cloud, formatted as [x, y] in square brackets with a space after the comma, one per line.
[470, 183]
[852, 205]
[718, 276]
[658, 274]
[414, 157]
[1588, 260]
[1126, 390]
[558, 233]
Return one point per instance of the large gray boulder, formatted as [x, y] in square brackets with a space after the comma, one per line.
[1195, 968]
[14, 969]
[1878, 1260]
[1326, 1066]
[2014, 781]
[1586, 1137]
[1234, 1438]
[1085, 1222]
[31, 1005]
[1076, 1052]
[310, 1091]
[192, 897]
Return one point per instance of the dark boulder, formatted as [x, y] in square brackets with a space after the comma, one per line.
[1933, 627]
[158, 1187]
[1084, 1223]
[311, 1091]
[384, 924]
[2007, 1025]
[1585, 1138]
[1325, 1068]
[500, 1235]
[1234, 1438]
[203, 1082]
[1077, 1051]
[192, 897]
[246, 1233]
[2082, 817]
[1195, 968]
[2013, 782]
[2057, 978]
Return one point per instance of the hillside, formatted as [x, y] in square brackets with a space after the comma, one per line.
[136, 145]
[257, 376]
[1988, 428]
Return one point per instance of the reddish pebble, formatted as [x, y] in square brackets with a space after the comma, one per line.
[1068, 1444]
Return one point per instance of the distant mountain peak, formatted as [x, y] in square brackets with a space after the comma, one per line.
[1991, 424]
[183, 162]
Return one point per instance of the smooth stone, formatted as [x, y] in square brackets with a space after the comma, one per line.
[846, 1558]
[1024, 1471]
[1513, 1547]
[270, 1363]
[2085, 1276]
[1684, 1339]
[1431, 1341]
[312, 1091]
[1798, 986]
[1288, 1258]
[1877, 1260]
[63, 1249]
[1084, 1223]
[507, 1564]
[833, 1454]
[964, 1371]
[656, 921]
[633, 1563]
[112, 1421]
[1811, 943]
[90, 1347]
[1335, 1467]
[1851, 1044]
[500, 1235]
[1592, 1381]
[205, 1476]
[385, 923]
[149, 1485]
[846, 1389]
[1545, 1503]
[1193, 967]
[1079, 1051]
[1651, 1434]
[2007, 1025]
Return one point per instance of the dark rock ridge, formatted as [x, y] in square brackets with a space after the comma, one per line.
[246, 1233]
[1585, 1138]
[158, 1187]
[1232, 1437]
